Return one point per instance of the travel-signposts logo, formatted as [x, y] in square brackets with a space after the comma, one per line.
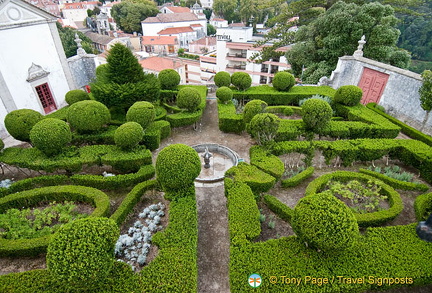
[254, 280]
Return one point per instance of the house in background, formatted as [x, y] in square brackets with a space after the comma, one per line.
[174, 9]
[160, 45]
[34, 72]
[157, 64]
[77, 12]
[203, 45]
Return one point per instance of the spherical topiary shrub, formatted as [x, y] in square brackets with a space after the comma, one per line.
[325, 223]
[19, 123]
[128, 135]
[241, 80]
[349, 95]
[169, 79]
[188, 98]
[81, 253]
[252, 108]
[283, 81]
[222, 78]
[263, 127]
[141, 112]
[316, 114]
[177, 166]
[224, 94]
[50, 135]
[74, 96]
[87, 116]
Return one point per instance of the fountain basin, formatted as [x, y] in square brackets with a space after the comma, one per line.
[222, 159]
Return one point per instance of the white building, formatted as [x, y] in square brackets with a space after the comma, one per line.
[218, 22]
[157, 64]
[153, 25]
[34, 72]
[77, 12]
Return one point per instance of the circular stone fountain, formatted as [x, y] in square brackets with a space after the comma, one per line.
[215, 160]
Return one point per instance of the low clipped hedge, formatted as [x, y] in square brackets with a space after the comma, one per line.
[256, 179]
[408, 130]
[229, 120]
[243, 213]
[128, 161]
[103, 137]
[279, 208]
[398, 184]
[184, 118]
[423, 206]
[177, 257]
[298, 178]
[131, 199]
[156, 131]
[286, 110]
[368, 219]
[267, 162]
[35, 246]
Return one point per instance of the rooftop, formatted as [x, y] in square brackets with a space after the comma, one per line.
[159, 40]
[159, 63]
[171, 17]
[176, 30]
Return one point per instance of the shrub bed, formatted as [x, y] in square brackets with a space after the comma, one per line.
[229, 120]
[398, 184]
[265, 161]
[33, 247]
[423, 206]
[275, 205]
[256, 179]
[299, 178]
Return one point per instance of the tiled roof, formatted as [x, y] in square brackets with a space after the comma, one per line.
[203, 41]
[178, 9]
[158, 63]
[159, 40]
[171, 17]
[196, 25]
[176, 30]
[99, 39]
[80, 5]
[238, 24]
[218, 19]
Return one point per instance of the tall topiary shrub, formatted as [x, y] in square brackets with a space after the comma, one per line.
[224, 94]
[2, 145]
[425, 92]
[222, 78]
[74, 96]
[177, 166]
[316, 114]
[263, 127]
[122, 66]
[88, 116]
[325, 223]
[169, 79]
[128, 135]
[241, 80]
[19, 123]
[50, 135]
[349, 95]
[81, 253]
[188, 98]
[141, 112]
[283, 81]
[252, 108]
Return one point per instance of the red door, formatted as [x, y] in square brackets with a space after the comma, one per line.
[46, 98]
[373, 84]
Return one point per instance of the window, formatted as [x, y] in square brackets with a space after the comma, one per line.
[44, 93]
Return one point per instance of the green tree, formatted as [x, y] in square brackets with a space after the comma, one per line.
[316, 114]
[67, 37]
[226, 9]
[263, 127]
[123, 67]
[425, 92]
[211, 30]
[129, 13]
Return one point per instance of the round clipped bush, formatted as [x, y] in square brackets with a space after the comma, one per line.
[81, 253]
[316, 114]
[188, 98]
[283, 81]
[74, 96]
[349, 95]
[325, 223]
[241, 80]
[141, 112]
[88, 116]
[169, 79]
[19, 123]
[224, 94]
[50, 135]
[128, 135]
[252, 108]
[177, 166]
[263, 127]
[222, 78]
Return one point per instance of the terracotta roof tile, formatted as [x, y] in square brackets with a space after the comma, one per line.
[171, 17]
[203, 41]
[178, 9]
[158, 63]
[159, 40]
[80, 5]
[176, 30]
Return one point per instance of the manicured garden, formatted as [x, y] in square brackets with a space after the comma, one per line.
[327, 202]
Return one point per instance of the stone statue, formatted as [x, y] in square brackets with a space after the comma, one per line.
[359, 51]
[207, 155]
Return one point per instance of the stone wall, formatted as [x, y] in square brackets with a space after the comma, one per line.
[400, 97]
[83, 69]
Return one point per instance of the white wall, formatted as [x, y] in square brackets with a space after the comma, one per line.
[20, 47]
[75, 14]
[151, 29]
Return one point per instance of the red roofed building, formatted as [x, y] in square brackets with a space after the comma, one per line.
[157, 64]
[203, 45]
[78, 11]
[185, 34]
[174, 9]
[160, 44]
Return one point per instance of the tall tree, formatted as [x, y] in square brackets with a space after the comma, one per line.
[129, 13]
[122, 66]
[336, 32]
[67, 37]
[226, 9]
[425, 92]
